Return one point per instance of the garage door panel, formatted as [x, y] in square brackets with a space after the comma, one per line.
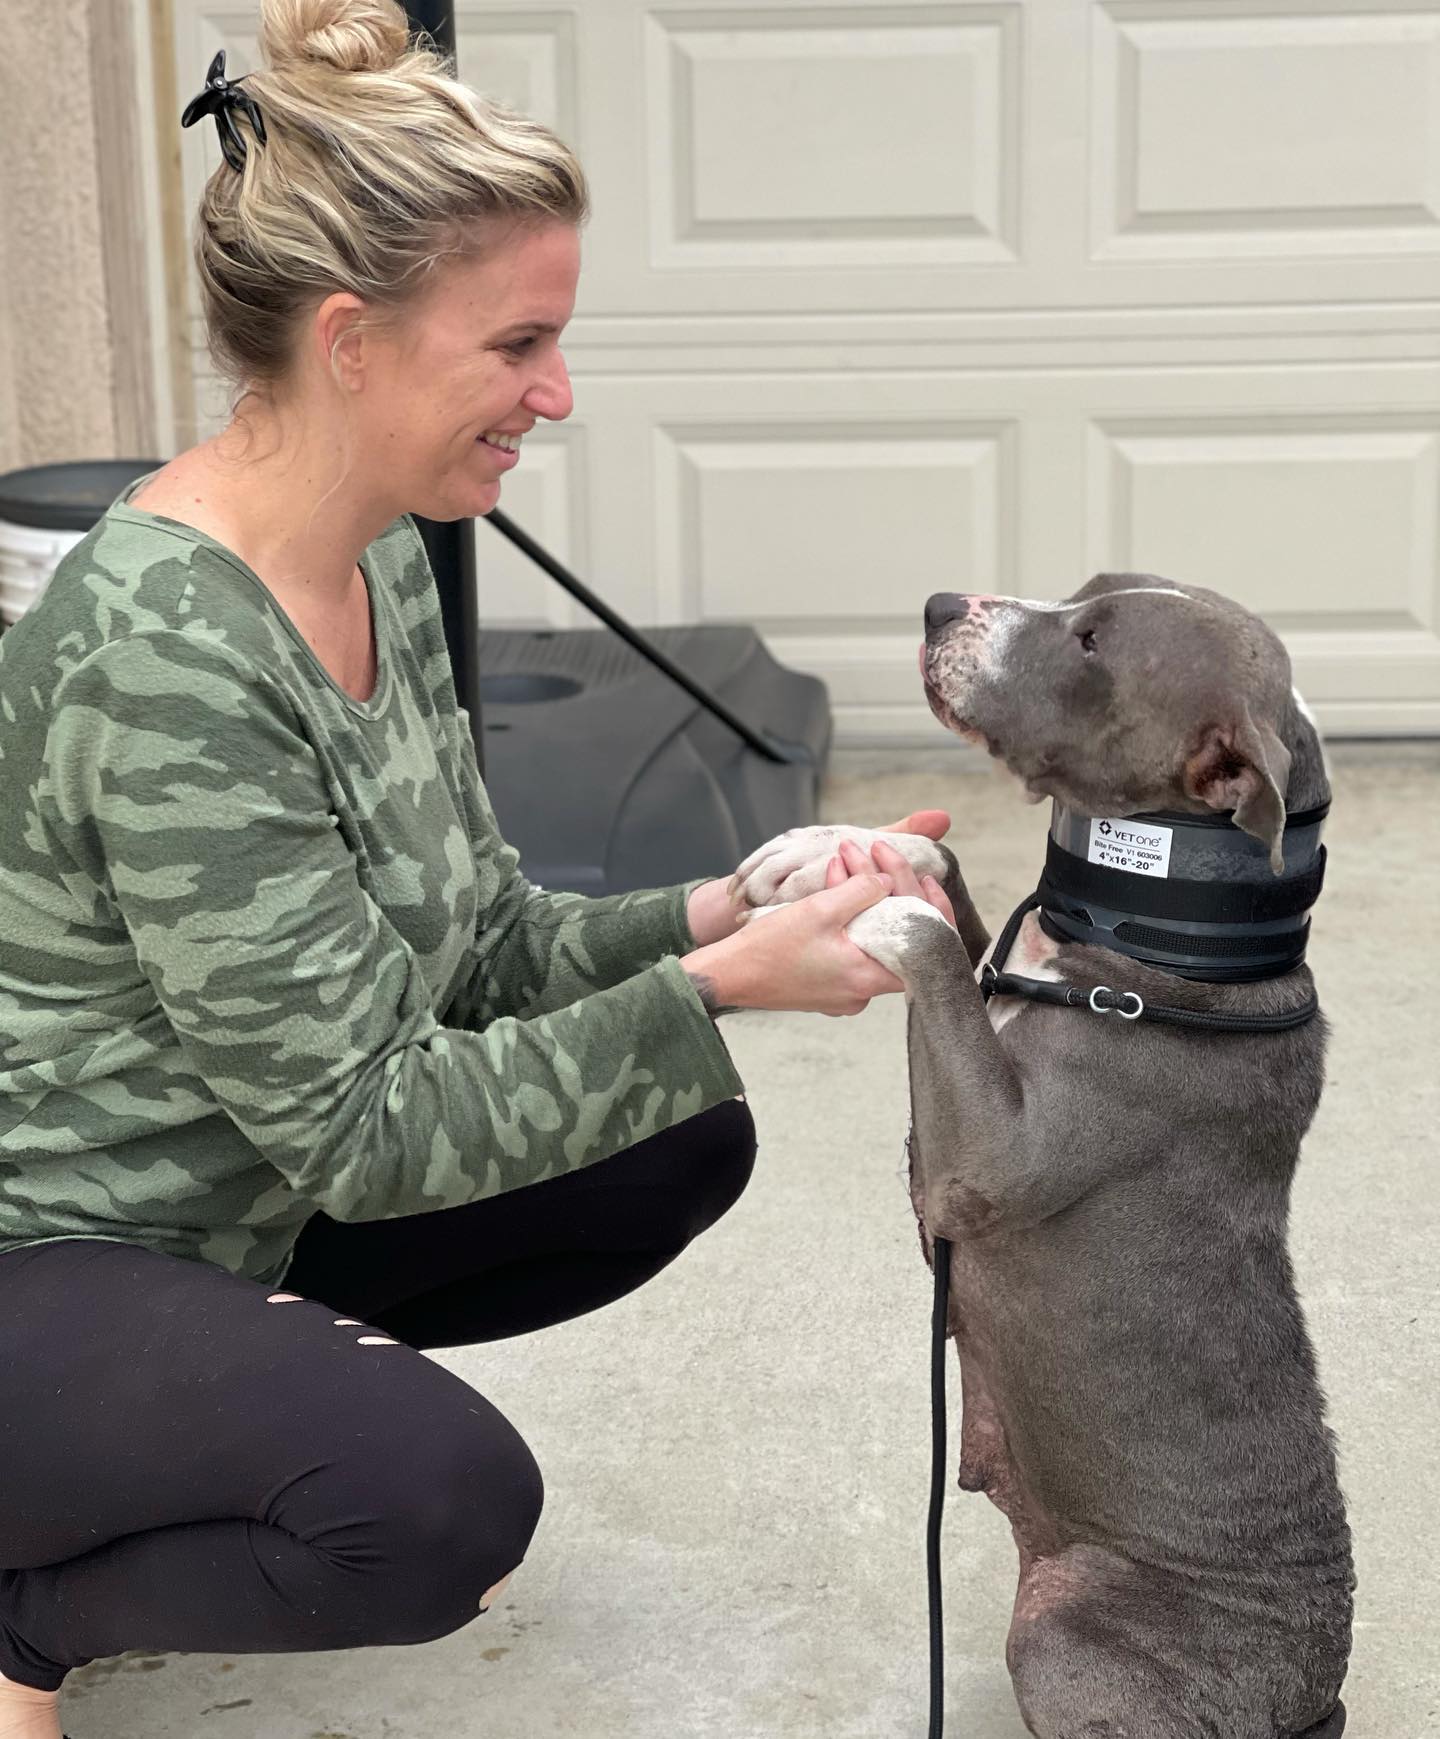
[849, 520]
[863, 136]
[525, 59]
[791, 502]
[1312, 524]
[1236, 131]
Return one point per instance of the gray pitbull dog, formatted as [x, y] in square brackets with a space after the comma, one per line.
[1139, 1386]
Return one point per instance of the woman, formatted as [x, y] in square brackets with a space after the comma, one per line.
[297, 1073]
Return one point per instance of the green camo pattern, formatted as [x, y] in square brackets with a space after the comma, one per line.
[262, 947]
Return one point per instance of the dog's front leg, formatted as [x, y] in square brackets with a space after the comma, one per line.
[965, 1095]
[978, 1153]
[967, 918]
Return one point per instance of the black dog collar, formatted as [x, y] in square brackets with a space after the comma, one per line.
[1191, 894]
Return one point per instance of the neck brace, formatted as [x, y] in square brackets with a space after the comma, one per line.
[1189, 894]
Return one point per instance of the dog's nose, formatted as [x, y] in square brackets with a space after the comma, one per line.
[945, 607]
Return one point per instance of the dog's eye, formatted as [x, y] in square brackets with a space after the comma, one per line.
[1087, 640]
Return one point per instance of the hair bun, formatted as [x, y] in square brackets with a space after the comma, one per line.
[349, 35]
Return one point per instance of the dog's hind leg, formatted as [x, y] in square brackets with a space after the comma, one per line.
[1100, 1648]
[1079, 1662]
[1330, 1728]
[1066, 1689]
[1071, 1683]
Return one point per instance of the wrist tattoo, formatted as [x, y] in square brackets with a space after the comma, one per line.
[705, 990]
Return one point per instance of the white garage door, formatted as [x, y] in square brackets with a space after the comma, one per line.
[882, 299]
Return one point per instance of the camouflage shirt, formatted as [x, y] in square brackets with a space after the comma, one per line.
[262, 947]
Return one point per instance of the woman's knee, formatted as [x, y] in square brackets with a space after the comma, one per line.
[718, 1149]
[479, 1502]
[453, 1514]
[735, 1156]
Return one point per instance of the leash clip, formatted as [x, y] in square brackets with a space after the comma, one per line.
[1117, 1007]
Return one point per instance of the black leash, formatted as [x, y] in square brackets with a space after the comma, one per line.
[937, 1482]
[1102, 1000]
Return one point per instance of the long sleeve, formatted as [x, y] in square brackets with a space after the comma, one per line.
[536, 950]
[182, 798]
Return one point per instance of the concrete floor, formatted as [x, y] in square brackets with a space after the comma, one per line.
[736, 1457]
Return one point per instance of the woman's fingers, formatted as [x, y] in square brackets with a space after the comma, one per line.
[888, 859]
[885, 858]
[940, 900]
[859, 862]
[927, 888]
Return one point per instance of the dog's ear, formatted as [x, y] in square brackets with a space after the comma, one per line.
[1244, 766]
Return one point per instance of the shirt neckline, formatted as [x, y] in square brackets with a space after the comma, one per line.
[379, 617]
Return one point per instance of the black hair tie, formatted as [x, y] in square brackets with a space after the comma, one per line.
[220, 98]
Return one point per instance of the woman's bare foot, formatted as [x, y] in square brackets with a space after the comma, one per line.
[26, 1713]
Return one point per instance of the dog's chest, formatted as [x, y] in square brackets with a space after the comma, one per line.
[1032, 955]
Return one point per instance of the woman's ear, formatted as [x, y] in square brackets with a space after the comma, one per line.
[1245, 767]
[335, 327]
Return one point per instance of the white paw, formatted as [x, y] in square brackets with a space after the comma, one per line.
[793, 864]
[894, 930]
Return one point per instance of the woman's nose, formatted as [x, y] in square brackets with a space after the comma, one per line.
[550, 396]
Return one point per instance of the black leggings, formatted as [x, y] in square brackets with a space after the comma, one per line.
[187, 1465]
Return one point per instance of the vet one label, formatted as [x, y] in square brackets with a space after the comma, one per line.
[1131, 845]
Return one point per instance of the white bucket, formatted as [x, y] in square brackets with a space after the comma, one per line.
[29, 555]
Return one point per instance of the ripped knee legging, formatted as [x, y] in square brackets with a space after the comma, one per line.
[193, 1461]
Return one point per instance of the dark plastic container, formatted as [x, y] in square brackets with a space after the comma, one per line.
[68, 497]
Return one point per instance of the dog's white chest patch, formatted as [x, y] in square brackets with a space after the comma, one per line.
[1031, 955]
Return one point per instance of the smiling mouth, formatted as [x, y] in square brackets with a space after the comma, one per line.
[505, 457]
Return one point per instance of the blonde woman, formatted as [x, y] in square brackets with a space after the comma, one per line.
[297, 1073]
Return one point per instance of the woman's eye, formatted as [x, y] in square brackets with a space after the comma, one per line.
[1087, 639]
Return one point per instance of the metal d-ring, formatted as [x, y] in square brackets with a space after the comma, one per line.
[1123, 1012]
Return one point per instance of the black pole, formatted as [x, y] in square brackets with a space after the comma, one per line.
[450, 544]
[773, 748]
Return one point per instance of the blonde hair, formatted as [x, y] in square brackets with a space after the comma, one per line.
[377, 164]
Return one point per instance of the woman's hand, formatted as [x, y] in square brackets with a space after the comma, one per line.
[852, 861]
[933, 823]
[797, 956]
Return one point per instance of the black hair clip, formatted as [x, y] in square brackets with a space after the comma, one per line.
[219, 98]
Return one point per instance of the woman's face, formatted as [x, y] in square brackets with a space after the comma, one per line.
[478, 357]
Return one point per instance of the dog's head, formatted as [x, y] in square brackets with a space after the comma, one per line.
[1136, 694]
